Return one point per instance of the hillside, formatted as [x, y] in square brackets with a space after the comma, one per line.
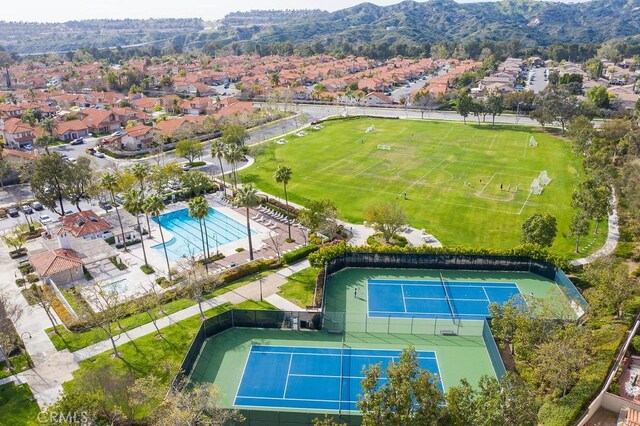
[412, 23]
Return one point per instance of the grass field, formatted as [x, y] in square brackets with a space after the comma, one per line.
[467, 185]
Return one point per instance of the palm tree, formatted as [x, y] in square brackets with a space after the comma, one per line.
[29, 117]
[283, 175]
[154, 206]
[141, 172]
[133, 203]
[49, 125]
[247, 196]
[110, 183]
[218, 149]
[197, 208]
[275, 78]
[234, 155]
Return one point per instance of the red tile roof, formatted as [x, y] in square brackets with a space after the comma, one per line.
[83, 223]
[51, 262]
[139, 130]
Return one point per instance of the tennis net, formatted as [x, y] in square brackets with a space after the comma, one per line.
[446, 295]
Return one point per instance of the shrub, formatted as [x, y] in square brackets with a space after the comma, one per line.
[240, 249]
[15, 254]
[147, 269]
[33, 278]
[396, 240]
[635, 344]
[247, 269]
[20, 282]
[163, 282]
[280, 207]
[299, 253]
[110, 240]
[26, 268]
[129, 243]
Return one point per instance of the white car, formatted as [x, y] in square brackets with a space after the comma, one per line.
[186, 167]
[44, 219]
[98, 154]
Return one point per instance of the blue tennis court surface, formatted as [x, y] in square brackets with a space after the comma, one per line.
[313, 378]
[435, 299]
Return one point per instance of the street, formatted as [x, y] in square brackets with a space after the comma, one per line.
[539, 82]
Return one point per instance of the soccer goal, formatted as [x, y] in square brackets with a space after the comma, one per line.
[544, 178]
[384, 147]
[370, 129]
[536, 188]
[532, 142]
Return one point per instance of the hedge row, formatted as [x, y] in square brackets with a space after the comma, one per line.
[299, 253]
[533, 251]
[280, 207]
[247, 269]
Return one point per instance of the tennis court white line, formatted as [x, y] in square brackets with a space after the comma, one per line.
[485, 186]
[418, 314]
[404, 302]
[486, 295]
[286, 383]
[453, 299]
[244, 370]
[458, 284]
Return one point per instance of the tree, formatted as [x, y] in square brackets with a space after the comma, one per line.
[247, 197]
[15, 238]
[196, 182]
[580, 130]
[49, 125]
[142, 172]
[154, 206]
[410, 396]
[44, 298]
[539, 229]
[504, 320]
[110, 183]
[10, 313]
[134, 205]
[477, 109]
[233, 155]
[319, 216]
[195, 404]
[465, 104]
[613, 287]
[199, 209]
[29, 117]
[79, 180]
[387, 219]
[560, 360]
[189, 149]
[425, 101]
[234, 134]
[6, 60]
[599, 96]
[592, 196]
[579, 227]
[47, 182]
[274, 78]
[283, 175]
[108, 313]
[494, 105]
[218, 150]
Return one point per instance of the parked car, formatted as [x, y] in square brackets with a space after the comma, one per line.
[67, 212]
[37, 206]
[28, 147]
[186, 167]
[63, 155]
[78, 141]
[44, 219]
[117, 133]
[26, 209]
[98, 154]
[105, 205]
[13, 212]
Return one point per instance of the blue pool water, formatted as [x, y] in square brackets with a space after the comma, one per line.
[186, 239]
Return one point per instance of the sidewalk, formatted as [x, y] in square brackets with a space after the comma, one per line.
[613, 236]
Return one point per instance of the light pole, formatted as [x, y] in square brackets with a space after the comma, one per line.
[261, 287]
[518, 112]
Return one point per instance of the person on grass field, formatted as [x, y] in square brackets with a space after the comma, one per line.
[355, 293]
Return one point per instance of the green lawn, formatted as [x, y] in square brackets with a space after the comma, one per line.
[19, 362]
[467, 185]
[17, 405]
[300, 287]
[150, 354]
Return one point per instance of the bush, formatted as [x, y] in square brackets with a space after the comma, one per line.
[378, 240]
[247, 269]
[279, 207]
[299, 253]
[147, 269]
[198, 163]
[110, 240]
[240, 249]
[635, 344]
[26, 268]
[15, 254]
[129, 243]
[20, 282]
[33, 278]
[163, 282]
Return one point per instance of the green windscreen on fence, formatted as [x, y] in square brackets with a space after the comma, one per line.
[494, 352]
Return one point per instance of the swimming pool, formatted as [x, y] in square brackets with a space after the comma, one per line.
[187, 239]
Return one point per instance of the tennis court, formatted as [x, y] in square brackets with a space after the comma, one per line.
[313, 377]
[436, 299]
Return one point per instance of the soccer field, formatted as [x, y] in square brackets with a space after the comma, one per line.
[465, 184]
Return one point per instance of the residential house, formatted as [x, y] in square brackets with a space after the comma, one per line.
[136, 138]
[62, 265]
[99, 121]
[85, 224]
[377, 99]
[195, 106]
[126, 114]
[626, 95]
[174, 126]
[145, 104]
[72, 129]
[18, 134]
[193, 89]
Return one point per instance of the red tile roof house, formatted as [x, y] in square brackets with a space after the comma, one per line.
[70, 130]
[18, 134]
[195, 106]
[99, 121]
[145, 104]
[376, 99]
[136, 138]
[62, 265]
[171, 127]
[124, 115]
[85, 224]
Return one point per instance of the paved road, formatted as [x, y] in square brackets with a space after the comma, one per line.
[539, 83]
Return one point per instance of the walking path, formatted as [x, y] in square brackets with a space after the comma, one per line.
[613, 237]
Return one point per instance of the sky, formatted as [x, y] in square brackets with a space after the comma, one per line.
[67, 10]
